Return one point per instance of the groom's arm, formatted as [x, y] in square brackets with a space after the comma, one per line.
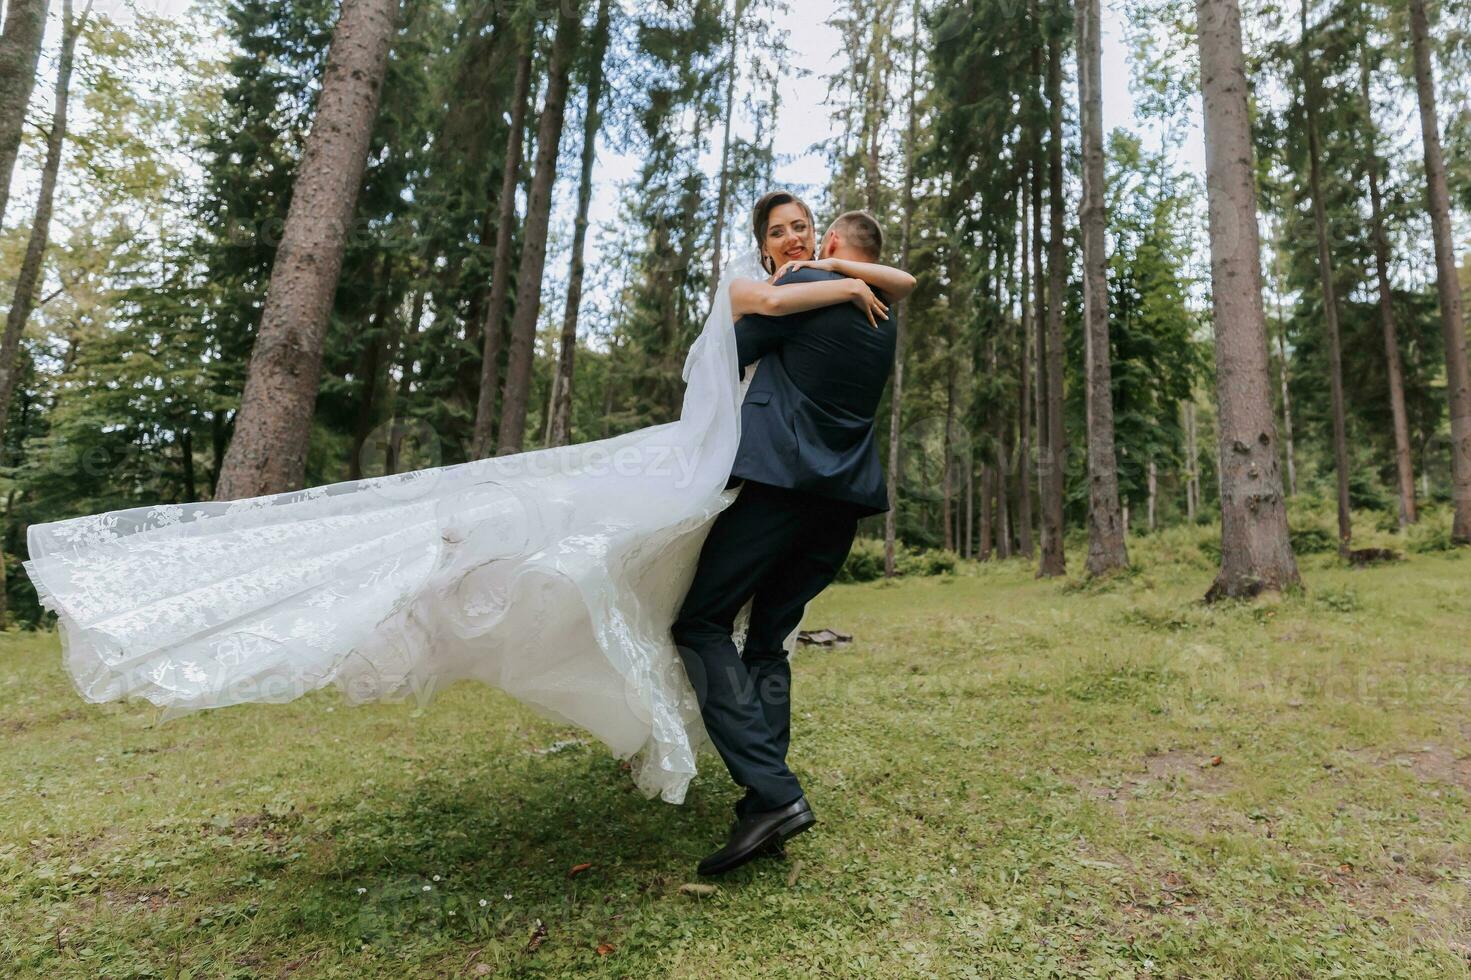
[758, 334]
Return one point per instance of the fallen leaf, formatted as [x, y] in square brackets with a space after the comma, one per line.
[538, 933]
[483, 969]
[605, 948]
[578, 869]
[699, 891]
[1345, 868]
[792, 875]
[1215, 760]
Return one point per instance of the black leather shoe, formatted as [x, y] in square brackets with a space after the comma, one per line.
[757, 833]
[773, 847]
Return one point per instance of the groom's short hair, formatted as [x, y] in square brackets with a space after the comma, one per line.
[861, 231]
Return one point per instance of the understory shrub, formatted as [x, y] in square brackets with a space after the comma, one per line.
[866, 561]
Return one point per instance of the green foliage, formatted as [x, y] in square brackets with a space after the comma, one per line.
[1432, 533]
[1339, 600]
[865, 562]
[1155, 334]
[1184, 546]
[180, 172]
[681, 54]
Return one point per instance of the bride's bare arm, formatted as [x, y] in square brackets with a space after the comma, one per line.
[754, 296]
[895, 283]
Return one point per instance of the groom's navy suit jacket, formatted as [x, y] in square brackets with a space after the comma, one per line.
[807, 421]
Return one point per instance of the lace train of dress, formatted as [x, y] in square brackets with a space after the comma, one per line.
[553, 575]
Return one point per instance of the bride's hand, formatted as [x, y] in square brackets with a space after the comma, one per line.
[865, 300]
[826, 265]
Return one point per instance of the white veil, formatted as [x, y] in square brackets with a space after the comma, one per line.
[553, 575]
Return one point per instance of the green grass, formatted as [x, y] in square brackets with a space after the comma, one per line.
[1012, 778]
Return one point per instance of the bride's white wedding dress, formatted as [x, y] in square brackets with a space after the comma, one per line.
[553, 575]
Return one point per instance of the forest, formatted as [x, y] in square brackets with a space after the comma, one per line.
[205, 302]
[1156, 667]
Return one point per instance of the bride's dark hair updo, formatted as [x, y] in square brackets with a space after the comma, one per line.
[761, 217]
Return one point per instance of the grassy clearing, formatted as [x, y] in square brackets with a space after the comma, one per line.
[1013, 778]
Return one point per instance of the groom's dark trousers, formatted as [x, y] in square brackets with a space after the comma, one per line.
[810, 468]
[779, 547]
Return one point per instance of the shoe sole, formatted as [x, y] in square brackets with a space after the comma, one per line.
[793, 826]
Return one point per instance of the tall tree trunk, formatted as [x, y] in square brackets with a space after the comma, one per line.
[561, 426]
[219, 434]
[952, 359]
[1192, 465]
[1040, 392]
[5, 572]
[1452, 326]
[1053, 562]
[1107, 550]
[186, 458]
[948, 442]
[988, 491]
[1330, 293]
[398, 395]
[29, 276]
[1003, 501]
[970, 508]
[273, 426]
[999, 426]
[1282, 371]
[1404, 468]
[896, 393]
[722, 198]
[877, 94]
[375, 359]
[1024, 394]
[493, 327]
[1256, 554]
[1152, 478]
[534, 238]
[1040, 389]
[20, 53]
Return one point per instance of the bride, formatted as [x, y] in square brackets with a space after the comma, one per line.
[553, 575]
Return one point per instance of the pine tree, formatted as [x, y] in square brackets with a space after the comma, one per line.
[268, 451]
[29, 276]
[1329, 292]
[1404, 468]
[1256, 554]
[1106, 548]
[534, 236]
[561, 417]
[1452, 323]
[493, 326]
[20, 53]
[1053, 562]
[901, 311]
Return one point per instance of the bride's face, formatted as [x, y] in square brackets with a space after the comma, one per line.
[789, 235]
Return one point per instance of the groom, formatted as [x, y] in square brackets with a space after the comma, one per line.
[809, 469]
